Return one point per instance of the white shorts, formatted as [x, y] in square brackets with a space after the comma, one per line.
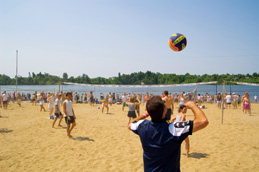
[18, 101]
[41, 102]
[218, 102]
[51, 105]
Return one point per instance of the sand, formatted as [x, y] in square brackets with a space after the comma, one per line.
[102, 142]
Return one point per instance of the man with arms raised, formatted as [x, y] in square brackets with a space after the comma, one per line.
[161, 141]
[169, 105]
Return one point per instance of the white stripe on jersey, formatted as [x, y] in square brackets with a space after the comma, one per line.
[179, 128]
[135, 125]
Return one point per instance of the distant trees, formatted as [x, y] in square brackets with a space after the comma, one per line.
[136, 78]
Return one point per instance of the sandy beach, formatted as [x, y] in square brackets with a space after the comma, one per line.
[102, 142]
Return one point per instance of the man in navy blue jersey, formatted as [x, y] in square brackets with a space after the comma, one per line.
[161, 141]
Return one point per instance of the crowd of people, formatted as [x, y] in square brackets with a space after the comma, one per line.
[153, 105]
[131, 101]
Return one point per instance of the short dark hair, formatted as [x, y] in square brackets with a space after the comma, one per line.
[181, 107]
[166, 92]
[69, 93]
[155, 107]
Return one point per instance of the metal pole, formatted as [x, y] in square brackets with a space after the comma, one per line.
[223, 102]
[216, 88]
[16, 69]
[230, 87]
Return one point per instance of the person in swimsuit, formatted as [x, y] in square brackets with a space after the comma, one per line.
[146, 98]
[91, 97]
[51, 100]
[246, 104]
[182, 99]
[137, 107]
[110, 98]
[105, 103]
[169, 105]
[41, 102]
[19, 99]
[180, 117]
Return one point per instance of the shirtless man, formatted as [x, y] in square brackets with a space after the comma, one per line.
[169, 105]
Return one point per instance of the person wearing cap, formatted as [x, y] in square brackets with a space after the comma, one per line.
[57, 111]
[70, 114]
[161, 142]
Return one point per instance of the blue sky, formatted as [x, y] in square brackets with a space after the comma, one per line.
[105, 37]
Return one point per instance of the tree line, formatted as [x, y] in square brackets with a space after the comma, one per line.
[136, 78]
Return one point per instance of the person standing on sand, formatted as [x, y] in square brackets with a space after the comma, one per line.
[105, 104]
[169, 105]
[228, 101]
[41, 102]
[91, 98]
[161, 142]
[246, 104]
[124, 100]
[19, 99]
[235, 98]
[255, 99]
[51, 100]
[57, 111]
[219, 100]
[132, 113]
[70, 114]
[5, 98]
[180, 117]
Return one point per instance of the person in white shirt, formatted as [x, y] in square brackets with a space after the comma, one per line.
[255, 99]
[228, 100]
[6, 98]
[57, 111]
[70, 114]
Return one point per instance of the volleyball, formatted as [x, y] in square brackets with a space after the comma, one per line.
[177, 42]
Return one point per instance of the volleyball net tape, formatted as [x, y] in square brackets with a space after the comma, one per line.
[141, 86]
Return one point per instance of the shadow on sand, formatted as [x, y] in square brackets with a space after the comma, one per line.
[83, 139]
[198, 155]
[5, 130]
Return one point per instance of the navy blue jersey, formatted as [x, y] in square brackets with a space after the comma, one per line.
[161, 143]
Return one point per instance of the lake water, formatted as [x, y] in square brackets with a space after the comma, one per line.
[202, 89]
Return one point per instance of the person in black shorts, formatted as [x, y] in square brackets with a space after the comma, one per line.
[70, 114]
[57, 111]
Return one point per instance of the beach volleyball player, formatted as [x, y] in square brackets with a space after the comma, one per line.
[161, 142]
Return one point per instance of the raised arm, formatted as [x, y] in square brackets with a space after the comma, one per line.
[200, 120]
[143, 116]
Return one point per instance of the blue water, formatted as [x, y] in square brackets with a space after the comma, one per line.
[202, 89]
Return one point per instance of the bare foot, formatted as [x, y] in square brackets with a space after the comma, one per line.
[60, 125]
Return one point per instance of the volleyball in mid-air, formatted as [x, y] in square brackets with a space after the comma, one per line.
[177, 42]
